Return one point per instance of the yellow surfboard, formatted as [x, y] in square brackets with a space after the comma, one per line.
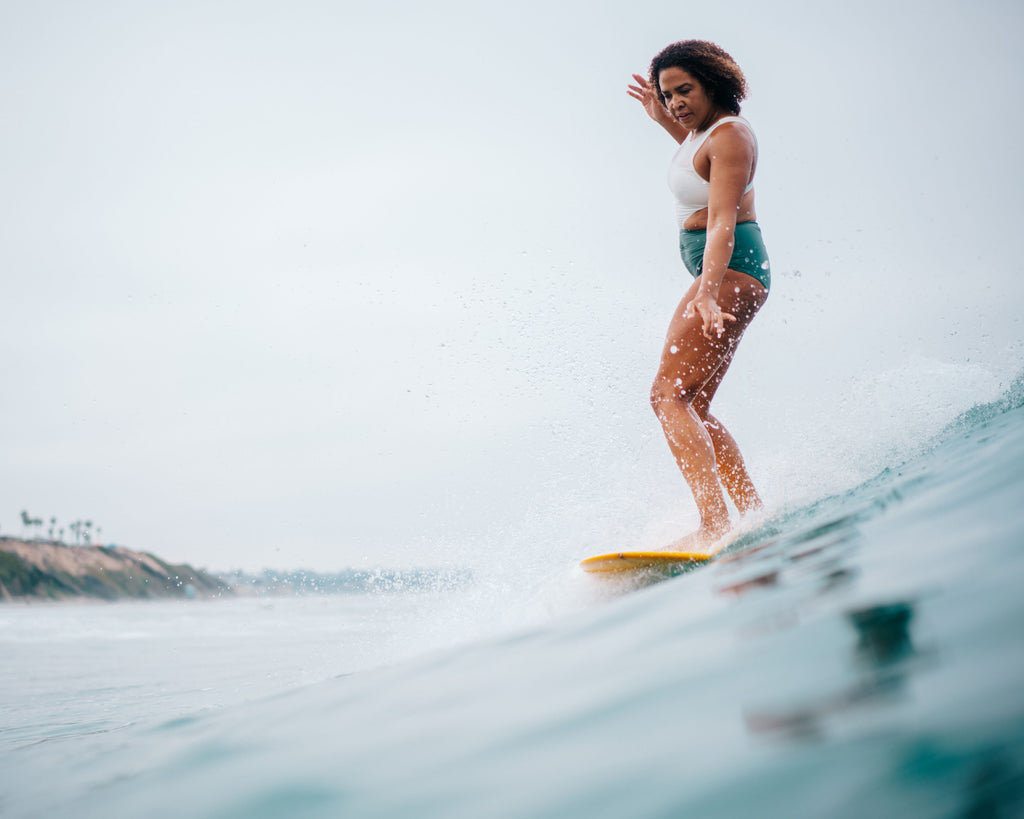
[668, 561]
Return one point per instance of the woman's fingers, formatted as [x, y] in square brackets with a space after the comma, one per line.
[637, 93]
[642, 90]
[716, 322]
[712, 319]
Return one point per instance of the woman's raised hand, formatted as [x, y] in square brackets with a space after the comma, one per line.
[651, 101]
[649, 98]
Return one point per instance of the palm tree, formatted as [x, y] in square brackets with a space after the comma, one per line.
[29, 522]
[53, 525]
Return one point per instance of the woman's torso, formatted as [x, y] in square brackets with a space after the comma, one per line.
[688, 175]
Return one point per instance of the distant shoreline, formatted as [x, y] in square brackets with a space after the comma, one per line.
[41, 570]
[48, 571]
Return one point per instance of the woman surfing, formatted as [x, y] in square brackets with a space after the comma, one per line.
[693, 91]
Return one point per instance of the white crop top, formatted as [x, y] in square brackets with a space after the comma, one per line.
[690, 189]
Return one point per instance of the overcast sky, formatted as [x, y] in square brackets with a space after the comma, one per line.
[317, 284]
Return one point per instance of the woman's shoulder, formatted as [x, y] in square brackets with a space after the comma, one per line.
[732, 123]
[732, 127]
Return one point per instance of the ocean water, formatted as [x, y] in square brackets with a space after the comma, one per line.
[858, 655]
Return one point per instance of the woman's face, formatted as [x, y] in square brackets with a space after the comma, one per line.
[686, 100]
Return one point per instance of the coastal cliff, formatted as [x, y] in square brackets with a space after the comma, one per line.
[43, 570]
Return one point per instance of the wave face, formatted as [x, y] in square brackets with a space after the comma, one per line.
[858, 656]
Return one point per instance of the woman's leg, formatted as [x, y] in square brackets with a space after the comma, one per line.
[732, 469]
[692, 364]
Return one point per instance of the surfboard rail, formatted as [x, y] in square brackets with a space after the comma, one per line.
[632, 561]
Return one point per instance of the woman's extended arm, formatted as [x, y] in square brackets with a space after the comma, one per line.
[732, 152]
[651, 102]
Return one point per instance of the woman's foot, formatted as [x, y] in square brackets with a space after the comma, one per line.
[698, 541]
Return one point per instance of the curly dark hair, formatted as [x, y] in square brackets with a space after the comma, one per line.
[710, 65]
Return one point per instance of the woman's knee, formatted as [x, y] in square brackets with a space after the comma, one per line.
[665, 390]
[661, 393]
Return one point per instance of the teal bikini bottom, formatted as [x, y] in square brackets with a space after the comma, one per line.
[748, 255]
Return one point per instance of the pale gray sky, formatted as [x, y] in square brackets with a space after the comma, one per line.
[318, 284]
